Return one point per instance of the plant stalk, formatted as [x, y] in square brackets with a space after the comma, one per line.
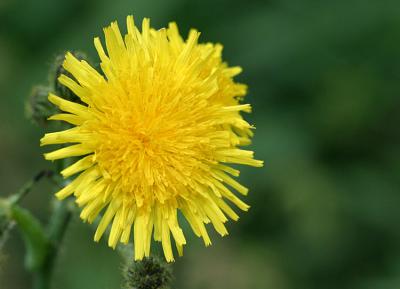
[56, 231]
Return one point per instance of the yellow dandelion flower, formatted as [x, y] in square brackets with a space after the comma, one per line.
[155, 135]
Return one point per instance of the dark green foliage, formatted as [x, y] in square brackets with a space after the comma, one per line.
[150, 273]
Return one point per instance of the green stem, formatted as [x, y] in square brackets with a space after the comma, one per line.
[41, 280]
[33, 235]
[16, 198]
[42, 246]
[56, 230]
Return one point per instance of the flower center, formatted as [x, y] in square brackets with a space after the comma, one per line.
[143, 138]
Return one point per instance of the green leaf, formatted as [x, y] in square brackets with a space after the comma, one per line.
[33, 235]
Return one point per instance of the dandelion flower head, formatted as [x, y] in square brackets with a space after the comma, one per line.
[155, 134]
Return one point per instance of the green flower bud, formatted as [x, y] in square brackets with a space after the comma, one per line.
[150, 273]
[37, 106]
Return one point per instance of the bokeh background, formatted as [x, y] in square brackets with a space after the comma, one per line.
[324, 79]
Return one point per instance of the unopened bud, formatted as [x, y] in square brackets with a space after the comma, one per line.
[150, 273]
[37, 106]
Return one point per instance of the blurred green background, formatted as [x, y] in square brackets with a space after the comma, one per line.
[324, 79]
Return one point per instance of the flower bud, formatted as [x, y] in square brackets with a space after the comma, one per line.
[37, 106]
[150, 273]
